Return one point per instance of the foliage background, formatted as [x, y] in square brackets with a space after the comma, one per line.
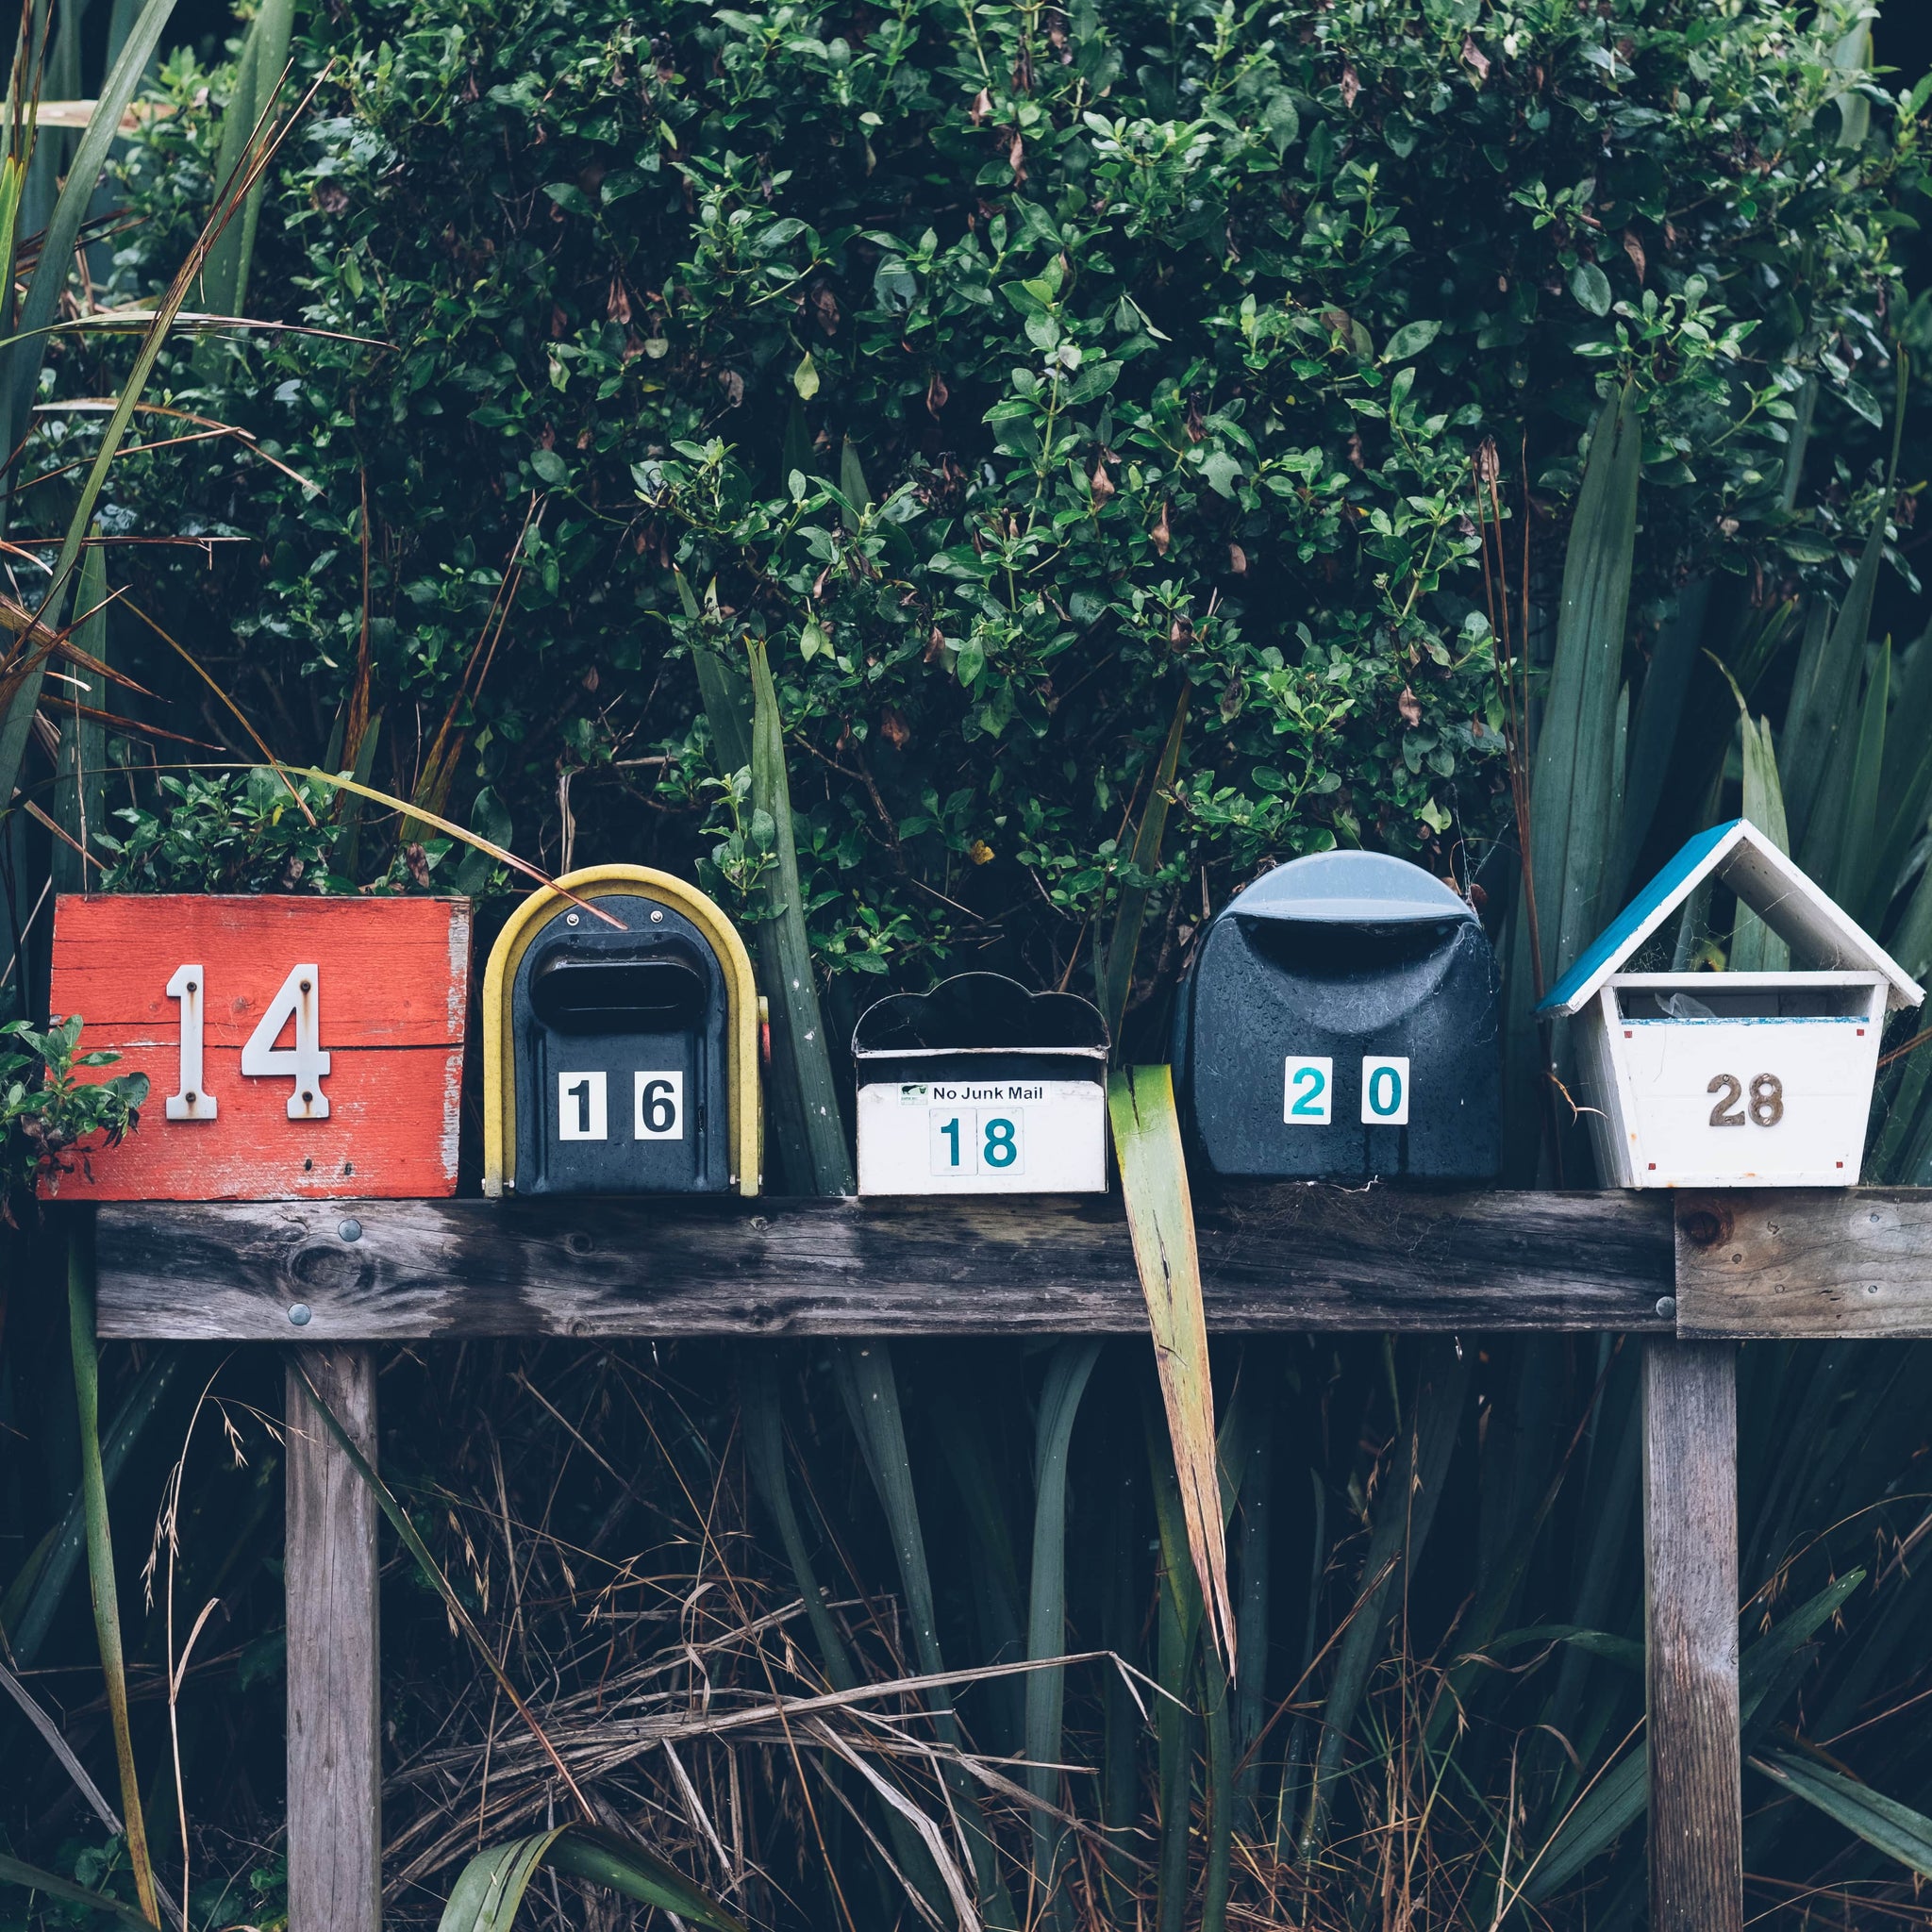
[1010, 370]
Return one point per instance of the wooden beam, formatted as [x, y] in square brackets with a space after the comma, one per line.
[329, 1575]
[1690, 1636]
[1805, 1263]
[1272, 1258]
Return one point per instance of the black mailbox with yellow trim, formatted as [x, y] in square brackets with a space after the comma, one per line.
[619, 1043]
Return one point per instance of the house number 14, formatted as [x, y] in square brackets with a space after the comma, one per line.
[298, 1004]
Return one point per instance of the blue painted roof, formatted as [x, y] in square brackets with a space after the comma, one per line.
[1643, 914]
[1765, 879]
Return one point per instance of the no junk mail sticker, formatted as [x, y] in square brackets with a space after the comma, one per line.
[295, 1048]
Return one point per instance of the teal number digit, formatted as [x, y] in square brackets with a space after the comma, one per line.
[951, 1130]
[1002, 1149]
[1385, 1091]
[1309, 1106]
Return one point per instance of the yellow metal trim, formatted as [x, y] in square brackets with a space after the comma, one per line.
[745, 1099]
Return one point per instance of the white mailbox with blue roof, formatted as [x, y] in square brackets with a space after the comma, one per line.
[1733, 1080]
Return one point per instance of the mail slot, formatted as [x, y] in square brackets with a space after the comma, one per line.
[1339, 1021]
[980, 1087]
[619, 1043]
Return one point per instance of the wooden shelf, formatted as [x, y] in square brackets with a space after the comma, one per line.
[1273, 1256]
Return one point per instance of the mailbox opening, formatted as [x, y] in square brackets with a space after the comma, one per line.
[617, 993]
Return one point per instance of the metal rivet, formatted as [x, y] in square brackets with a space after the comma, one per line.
[570, 919]
[190, 986]
[298, 1315]
[307, 1099]
[350, 1230]
[657, 918]
[190, 1098]
[1667, 1305]
[305, 986]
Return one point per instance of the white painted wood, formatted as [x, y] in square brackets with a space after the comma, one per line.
[1750, 1094]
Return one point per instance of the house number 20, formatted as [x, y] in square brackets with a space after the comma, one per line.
[298, 1004]
[1766, 1105]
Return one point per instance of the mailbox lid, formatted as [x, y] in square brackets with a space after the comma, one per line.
[981, 1087]
[620, 1041]
[1339, 887]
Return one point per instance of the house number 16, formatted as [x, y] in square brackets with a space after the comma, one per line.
[298, 1003]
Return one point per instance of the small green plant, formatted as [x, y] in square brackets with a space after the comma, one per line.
[224, 832]
[47, 1113]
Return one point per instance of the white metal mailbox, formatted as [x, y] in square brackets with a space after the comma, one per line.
[1733, 1080]
[979, 1087]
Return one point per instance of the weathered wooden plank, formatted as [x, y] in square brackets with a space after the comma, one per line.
[1690, 1636]
[329, 1575]
[1272, 1258]
[1818, 1263]
[390, 991]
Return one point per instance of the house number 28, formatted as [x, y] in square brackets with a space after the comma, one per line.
[297, 1004]
[1766, 1102]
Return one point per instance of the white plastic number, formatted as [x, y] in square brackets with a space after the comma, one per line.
[1311, 1092]
[190, 1100]
[582, 1106]
[298, 1003]
[659, 1107]
[1385, 1092]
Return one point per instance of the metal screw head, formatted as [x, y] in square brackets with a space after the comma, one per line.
[350, 1230]
[570, 919]
[658, 918]
[1667, 1306]
[299, 1315]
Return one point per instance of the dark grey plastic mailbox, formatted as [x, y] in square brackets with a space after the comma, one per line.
[1339, 1021]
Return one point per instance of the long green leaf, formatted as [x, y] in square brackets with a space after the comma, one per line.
[1114, 967]
[1616, 1801]
[1905, 785]
[1755, 948]
[1841, 843]
[871, 1391]
[764, 1450]
[17, 1871]
[491, 1887]
[21, 683]
[1883, 1823]
[100, 1544]
[1067, 1376]
[1404, 1512]
[56, 264]
[1160, 1217]
[79, 761]
[1570, 833]
[35, 1596]
[1654, 723]
[801, 1055]
[1824, 710]
[257, 74]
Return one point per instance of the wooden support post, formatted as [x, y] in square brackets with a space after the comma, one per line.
[329, 1575]
[1690, 1636]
